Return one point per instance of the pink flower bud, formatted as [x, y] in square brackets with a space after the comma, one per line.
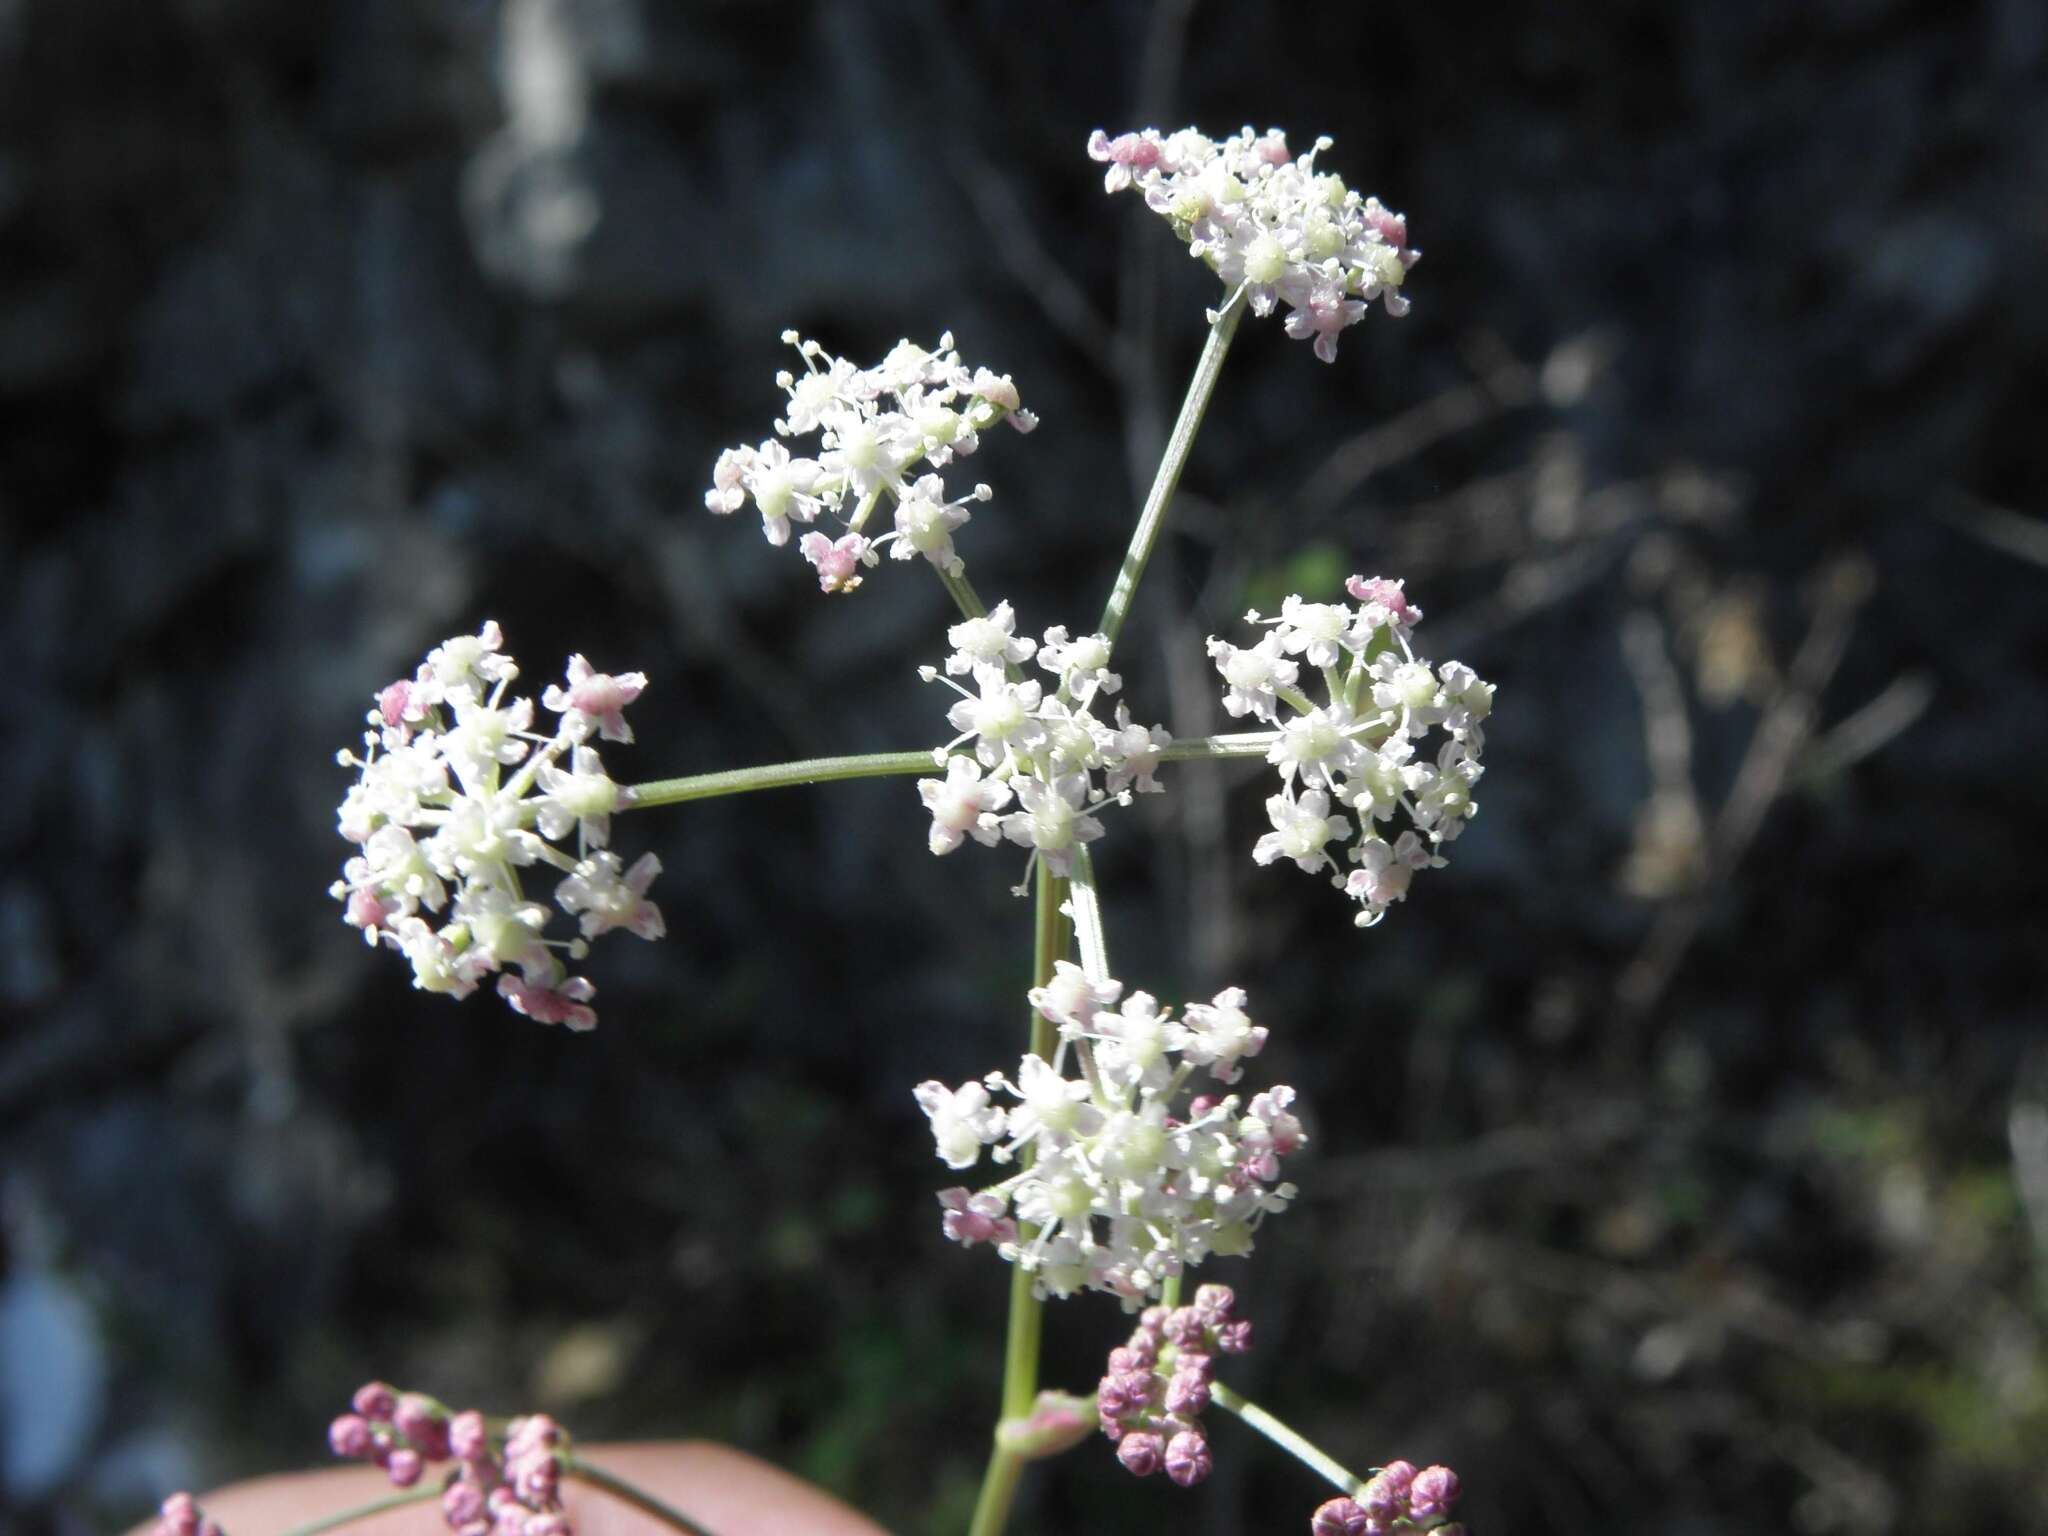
[349, 1436]
[1235, 1338]
[392, 702]
[1338, 1517]
[1058, 1421]
[374, 1400]
[467, 1437]
[1187, 1458]
[1188, 1393]
[1433, 1492]
[1215, 1303]
[180, 1516]
[403, 1467]
[1184, 1327]
[422, 1421]
[462, 1504]
[1386, 1496]
[1141, 1453]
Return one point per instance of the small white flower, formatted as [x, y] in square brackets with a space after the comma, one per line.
[1254, 675]
[1053, 819]
[963, 805]
[1301, 829]
[987, 642]
[1219, 1035]
[963, 1121]
[1080, 665]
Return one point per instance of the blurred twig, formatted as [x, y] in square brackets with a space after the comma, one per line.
[1781, 734]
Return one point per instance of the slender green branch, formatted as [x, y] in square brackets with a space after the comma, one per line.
[1292, 1441]
[629, 1493]
[965, 598]
[365, 1511]
[739, 781]
[1088, 917]
[1215, 748]
[998, 1493]
[1178, 445]
[1050, 937]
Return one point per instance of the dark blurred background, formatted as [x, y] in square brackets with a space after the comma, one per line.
[1681, 1155]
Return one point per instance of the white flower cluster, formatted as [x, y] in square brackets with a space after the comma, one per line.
[876, 425]
[1045, 750]
[1269, 225]
[1117, 1191]
[1357, 749]
[457, 793]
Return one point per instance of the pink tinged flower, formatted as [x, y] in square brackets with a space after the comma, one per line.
[544, 1003]
[1126, 155]
[1234, 1338]
[375, 1400]
[595, 701]
[369, 911]
[608, 895]
[838, 561]
[1339, 1517]
[975, 1218]
[1142, 1453]
[962, 805]
[1187, 1458]
[1433, 1492]
[1325, 312]
[1378, 591]
[404, 1467]
[728, 481]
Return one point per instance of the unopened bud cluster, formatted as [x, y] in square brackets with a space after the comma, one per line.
[914, 410]
[180, 1515]
[1269, 224]
[504, 1482]
[1119, 1189]
[1151, 1398]
[1047, 751]
[457, 794]
[1398, 1499]
[1357, 747]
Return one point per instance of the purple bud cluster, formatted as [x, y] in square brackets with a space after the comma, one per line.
[1151, 1399]
[182, 1516]
[1398, 1498]
[502, 1484]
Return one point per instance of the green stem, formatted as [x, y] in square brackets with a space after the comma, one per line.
[1050, 937]
[1294, 1443]
[739, 781]
[639, 1498]
[998, 1493]
[1178, 446]
[365, 1511]
[965, 598]
[1198, 749]
[1088, 917]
